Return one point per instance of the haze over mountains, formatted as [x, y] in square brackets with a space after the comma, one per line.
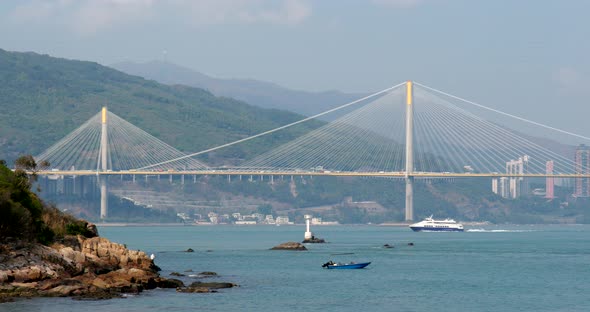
[255, 92]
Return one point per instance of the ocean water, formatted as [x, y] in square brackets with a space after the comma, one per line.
[487, 268]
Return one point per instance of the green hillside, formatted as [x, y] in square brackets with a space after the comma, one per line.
[43, 98]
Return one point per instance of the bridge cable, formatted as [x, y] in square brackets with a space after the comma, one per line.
[503, 113]
[276, 129]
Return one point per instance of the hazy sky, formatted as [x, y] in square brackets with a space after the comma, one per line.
[527, 57]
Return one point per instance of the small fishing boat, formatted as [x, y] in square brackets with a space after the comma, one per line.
[348, 265]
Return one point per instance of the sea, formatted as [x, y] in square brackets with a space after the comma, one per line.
[487, 268]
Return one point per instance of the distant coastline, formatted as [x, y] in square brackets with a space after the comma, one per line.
[119, 224]
[398, 224]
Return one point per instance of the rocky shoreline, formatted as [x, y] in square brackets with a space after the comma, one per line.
[83, 268]
[78, 267]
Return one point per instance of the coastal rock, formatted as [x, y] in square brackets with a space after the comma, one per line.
[92, 229]
[313, 240]
[207, 274]
[195, 290]
[289, 246]
[94, 268]
[212, 285]
[202, 287]
[170, 283]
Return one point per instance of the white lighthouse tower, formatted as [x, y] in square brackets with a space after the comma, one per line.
[308, 233]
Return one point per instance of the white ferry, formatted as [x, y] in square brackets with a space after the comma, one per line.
[431, 225]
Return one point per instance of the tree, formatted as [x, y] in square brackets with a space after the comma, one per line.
[26, 163]
[26, 169]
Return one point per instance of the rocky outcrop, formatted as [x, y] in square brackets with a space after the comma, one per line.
[313, 240]
[289, 246]
[205, 287]
[76, 266]
[207, 274]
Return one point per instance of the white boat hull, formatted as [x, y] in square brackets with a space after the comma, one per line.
[431, 229]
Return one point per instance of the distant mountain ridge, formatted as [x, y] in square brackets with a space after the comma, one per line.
[254, 92]
[43, 98]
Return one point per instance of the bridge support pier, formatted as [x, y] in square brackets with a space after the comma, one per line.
[104, 197]
[409, 151]
[104, 154]
[409, 198]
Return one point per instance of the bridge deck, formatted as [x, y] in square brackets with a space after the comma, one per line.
[394, 174]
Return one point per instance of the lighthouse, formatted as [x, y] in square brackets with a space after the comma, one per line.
[308, 234]
[309, 237]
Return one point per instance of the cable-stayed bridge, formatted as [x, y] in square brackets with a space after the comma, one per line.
[408, 131]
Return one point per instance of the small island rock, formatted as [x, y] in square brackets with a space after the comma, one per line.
[289, 246]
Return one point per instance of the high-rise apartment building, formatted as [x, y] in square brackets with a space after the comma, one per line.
[549, 181]
[501, 186]
[518, 185]
[582, 166]
[513, 187]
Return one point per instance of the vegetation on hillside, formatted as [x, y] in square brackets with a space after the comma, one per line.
[43, 98]
[24, 216]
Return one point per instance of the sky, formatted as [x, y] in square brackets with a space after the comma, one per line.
[526, 57]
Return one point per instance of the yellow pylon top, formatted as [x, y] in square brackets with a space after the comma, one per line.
[409, 93]
[104, 115]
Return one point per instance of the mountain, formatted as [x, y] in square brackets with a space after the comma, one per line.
[255, 92]
[43, 98]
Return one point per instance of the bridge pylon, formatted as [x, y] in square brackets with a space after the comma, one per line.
[103, 161]
[409, 151]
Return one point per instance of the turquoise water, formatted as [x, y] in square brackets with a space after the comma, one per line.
[494, 268]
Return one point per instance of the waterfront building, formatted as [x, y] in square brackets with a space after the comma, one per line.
[283, 220]
[269, 219]
[214, 219]
[316, 221]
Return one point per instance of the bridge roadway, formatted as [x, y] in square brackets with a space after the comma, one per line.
[390, 174]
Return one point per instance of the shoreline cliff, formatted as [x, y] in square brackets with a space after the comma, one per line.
[76, 266]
